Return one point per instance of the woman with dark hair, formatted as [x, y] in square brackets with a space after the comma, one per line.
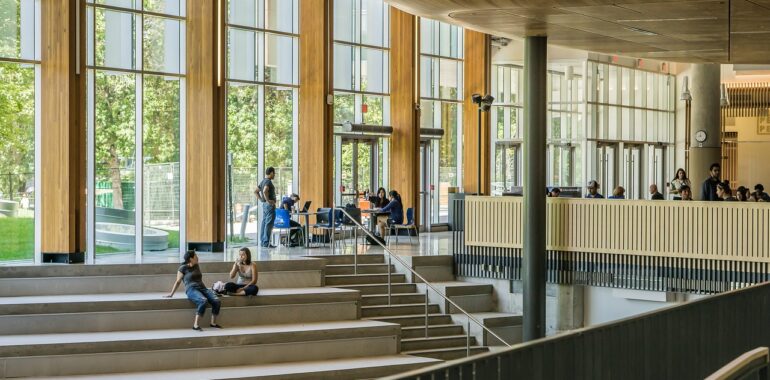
[196, 291]
[380, 200]
[680, 179]
[742, 194]
[396, 210]
[246, 271]
[725, 193]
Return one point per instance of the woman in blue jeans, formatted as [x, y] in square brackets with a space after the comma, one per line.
[196, 291]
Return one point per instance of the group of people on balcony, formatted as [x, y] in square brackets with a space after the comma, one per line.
[680, 188]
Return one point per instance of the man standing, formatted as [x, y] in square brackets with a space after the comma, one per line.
[266, 193]
[709, 189]
[654, 194]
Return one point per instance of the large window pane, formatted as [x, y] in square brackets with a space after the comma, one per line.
[115, 128]
[449, 79]
[280, 53]
[344, 108]
[245, 13]
[242, 54]
[280, 15]
[161, 180]
[345, 12]
[343, 67]
[279, 105]
[374, 26]
[169, 7]
[243, 148]
[115, 39]
[161, 45]
[374, 72]
[17, 161]
[17, 29]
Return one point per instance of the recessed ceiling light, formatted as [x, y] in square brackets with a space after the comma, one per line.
[641, 31]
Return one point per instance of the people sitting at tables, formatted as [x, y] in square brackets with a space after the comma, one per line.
[725, 193]
[618, 193]
[655, 195]
[555, 192]
[593, 190]
[289, 204]
[396, 210]
[762, 196]
[380, 200]
[685, 193]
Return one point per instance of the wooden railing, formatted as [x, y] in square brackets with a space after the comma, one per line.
[672, 229]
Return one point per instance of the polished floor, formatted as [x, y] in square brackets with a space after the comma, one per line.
[428, 244]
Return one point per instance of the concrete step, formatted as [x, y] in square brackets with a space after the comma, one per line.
[396, 299]
[433, 268]
[381, 289]
[505, 325]
[144, 283]
[342, 369]
[447, 353]
[434, 342]
[416, 319]
[364, 279]
[119, 352]
[469, 296]
[348, 259]
[435, 330]
[149, 311]
[395, 310]
[349, 269]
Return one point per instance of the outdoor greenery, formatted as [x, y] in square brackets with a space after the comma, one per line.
[18, 238]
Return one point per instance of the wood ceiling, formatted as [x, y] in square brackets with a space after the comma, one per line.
[724, 31]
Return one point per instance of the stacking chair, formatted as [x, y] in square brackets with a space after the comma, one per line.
[350, 222]
[408, 225]
[328, 220]
[283, 223]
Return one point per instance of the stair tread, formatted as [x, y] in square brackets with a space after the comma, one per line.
[398, 305]
[409, 316]
[111, 297]
[444, 349]
[385, 295]
[273, 370]
[187, 333]
[403, 340]
[430, 327]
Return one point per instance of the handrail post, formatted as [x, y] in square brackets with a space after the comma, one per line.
[468, 338]
[389, 282]
[426, 310]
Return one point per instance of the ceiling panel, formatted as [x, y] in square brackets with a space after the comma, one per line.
[684, 30]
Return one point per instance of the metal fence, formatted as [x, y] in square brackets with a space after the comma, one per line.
[688, 341]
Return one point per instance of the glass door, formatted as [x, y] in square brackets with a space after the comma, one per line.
[357, 171]
[632, 162]
[426, 186]
[607, 168]
[507, 167]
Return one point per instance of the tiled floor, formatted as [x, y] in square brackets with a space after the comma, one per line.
[437, 243]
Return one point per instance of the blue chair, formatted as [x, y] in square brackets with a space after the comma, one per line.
[283, 223]
[408, 225]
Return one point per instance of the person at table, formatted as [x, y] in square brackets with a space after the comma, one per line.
[396, 210]
[593, 190]
[380, 200]
[289, 204]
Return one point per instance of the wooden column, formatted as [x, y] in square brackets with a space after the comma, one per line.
[316, 173]
[205, 125]
[62, 186]
[476, 80]
[405, 141]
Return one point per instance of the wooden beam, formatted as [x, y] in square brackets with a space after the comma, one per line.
[315, 114]
[205, 125]
[62, 186]
[476, 80]
[405, 141]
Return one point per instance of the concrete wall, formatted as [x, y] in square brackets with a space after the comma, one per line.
[606, 304]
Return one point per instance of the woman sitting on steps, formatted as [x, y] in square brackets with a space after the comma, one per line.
[246, 270]
[196, 291]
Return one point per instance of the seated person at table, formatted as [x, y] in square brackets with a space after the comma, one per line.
[289, 203]
[396, 210]
[380, 200]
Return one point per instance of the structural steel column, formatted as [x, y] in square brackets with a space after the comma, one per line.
[205, 126]
[476, 80]
[316, 173]
[405, 141]
[705, 115]
[535, 66]
[62, 186]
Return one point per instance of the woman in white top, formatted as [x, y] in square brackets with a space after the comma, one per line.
[246, 271]
[680, 179]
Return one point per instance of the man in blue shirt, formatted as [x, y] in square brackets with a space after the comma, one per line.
[266, 193]
[593, 190]
[288, 203]
[709, 189]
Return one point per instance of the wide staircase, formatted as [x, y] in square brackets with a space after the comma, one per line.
[446, 339]
[111, 322]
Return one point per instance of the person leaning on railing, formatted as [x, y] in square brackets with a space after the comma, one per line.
[725, 193]
[680, 179]
[593, 190]
[685, 193]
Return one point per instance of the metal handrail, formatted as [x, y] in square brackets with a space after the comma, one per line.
[428, 287]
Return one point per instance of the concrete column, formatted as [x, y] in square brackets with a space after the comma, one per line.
[535, 68]
[705, 116]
